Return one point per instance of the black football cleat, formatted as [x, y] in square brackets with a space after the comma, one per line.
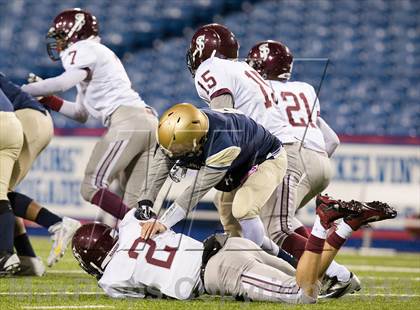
[329, 209]
[332, 288]
[370, 212]
[9, 264]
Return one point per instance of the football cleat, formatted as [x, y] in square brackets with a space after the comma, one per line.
[329, 209]
[374, 211]
[9, 264]
[62, 233]
[333, 288]
[31, 266]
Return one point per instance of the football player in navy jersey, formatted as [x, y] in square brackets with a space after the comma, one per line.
[11, 141]
[37, 129]
[231, 152]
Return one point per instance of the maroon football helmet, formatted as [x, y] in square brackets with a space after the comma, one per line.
[93, 246]
[272, 60]
[69, 27]
[211, 40]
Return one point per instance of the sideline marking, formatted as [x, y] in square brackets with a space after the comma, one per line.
[68, 307]
[389, 278]
[384, 295]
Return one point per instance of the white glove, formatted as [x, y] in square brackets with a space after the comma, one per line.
[32, 78]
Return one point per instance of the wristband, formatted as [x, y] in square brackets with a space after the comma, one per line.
[53, 102]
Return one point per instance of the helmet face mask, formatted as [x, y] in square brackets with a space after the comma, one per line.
[56, 43]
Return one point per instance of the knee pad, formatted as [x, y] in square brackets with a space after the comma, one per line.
[19, 203]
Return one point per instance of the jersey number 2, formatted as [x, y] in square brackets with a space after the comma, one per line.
[301, 122]
[151, 251]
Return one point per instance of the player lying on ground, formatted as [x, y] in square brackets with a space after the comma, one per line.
[231, 152]
[180, 267]
[103, 92]
[37, 130]
[308, 159]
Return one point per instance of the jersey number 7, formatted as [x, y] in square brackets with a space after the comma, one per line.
[132, 253]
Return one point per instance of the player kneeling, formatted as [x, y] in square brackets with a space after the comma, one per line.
[180, 267]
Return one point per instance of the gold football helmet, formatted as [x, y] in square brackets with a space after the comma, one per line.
[182, 130]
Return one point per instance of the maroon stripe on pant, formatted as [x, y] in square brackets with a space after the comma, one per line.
[265, 282]
[287, 189]
[107, 162]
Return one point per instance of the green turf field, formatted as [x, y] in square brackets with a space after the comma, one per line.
[389, 282]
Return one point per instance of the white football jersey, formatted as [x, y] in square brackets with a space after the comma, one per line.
[107, 87]
[297, 99]
[168, 264]
[251, 94]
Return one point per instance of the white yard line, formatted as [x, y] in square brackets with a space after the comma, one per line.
[68, 307]
[383, 295]
[77, 271]
[389, 278]
[377, 268]
[374, 268]
[49, 293]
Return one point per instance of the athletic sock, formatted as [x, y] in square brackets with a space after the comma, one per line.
[339, 271]
[318, 230]
[340, 235]
[7, 227]
[23, 246]
[302, 231]
[110, 202]
[294, 244]
[19, 203]
[316, 240]
[46, 219]
[253, 229]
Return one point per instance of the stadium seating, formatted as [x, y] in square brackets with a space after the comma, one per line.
[372, 47]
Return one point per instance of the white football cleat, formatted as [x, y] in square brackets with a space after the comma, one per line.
[9, 264]
[31, 266]
[333, 288]
[61, 232]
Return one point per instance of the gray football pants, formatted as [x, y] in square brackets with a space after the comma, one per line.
[241, 268]
[123, 153]
[308, 173]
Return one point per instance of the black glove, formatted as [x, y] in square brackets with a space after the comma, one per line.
[145, 210]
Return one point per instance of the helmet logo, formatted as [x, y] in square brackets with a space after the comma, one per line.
[199, 43]
[264, 51]
[79, 22]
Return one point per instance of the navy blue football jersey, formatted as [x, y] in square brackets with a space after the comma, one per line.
[19, 99]
[232, 129]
